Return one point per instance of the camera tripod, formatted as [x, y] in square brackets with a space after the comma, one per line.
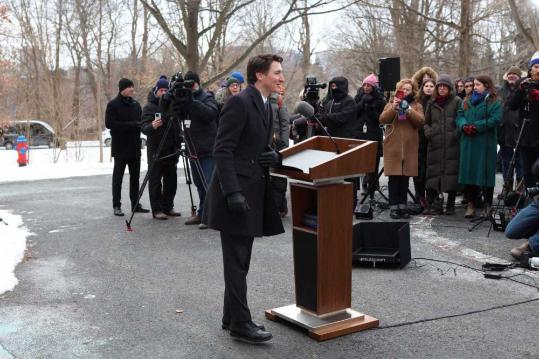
[187, 153]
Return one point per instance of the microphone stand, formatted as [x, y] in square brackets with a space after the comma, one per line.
[327, 133]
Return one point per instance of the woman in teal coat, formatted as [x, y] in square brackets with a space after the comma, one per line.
[478, 119]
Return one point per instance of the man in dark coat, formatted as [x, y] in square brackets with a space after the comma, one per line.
[526, 100]
[508, 130]
[338, 110]
[239, 202]
[122, 117]
[202, 112]
[163, 180]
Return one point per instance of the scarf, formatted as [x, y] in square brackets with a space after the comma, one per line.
[477, 97]
[441, 100]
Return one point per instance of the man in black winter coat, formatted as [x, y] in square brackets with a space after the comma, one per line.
[526, 99]
[201, 113]
[122, 117]
[240, 204]
[338, 110]
[163, 179]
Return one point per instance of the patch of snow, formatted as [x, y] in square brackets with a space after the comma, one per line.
[12, 246]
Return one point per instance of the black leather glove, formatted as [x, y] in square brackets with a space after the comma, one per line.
[269, 159]
[280, 144]
[237, 203]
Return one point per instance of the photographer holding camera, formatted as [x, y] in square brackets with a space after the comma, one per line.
[163, 179]
[202, 111]
[526, 99]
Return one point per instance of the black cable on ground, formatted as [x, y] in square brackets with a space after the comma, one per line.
[457, 315]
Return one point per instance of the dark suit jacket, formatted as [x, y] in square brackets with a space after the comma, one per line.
[244, 132]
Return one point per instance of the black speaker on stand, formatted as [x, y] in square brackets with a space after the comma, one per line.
[389, 73]
[381, 243]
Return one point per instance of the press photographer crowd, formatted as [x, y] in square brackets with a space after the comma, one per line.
[448, 134]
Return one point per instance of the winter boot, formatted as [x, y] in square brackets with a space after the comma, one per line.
[450, 206]
[394, 212]
[470, 211]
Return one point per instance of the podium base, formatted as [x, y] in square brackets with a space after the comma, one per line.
[324, 327]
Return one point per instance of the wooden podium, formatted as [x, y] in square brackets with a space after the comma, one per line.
[322, 205]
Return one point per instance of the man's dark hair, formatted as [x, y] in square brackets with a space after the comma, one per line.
[260, 63]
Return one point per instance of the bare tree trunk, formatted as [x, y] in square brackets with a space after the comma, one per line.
[465, 39]
[306, 43]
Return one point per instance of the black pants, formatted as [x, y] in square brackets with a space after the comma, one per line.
[236, 259]
[398, 189]
[162, 186]
[117, 177]
[473, 194]
[528, 155]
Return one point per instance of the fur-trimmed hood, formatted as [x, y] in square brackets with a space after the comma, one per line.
[418, 76]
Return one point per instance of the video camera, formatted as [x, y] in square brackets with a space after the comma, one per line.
[311, 91]
[530, 85]
[180, 89]
[533, 191]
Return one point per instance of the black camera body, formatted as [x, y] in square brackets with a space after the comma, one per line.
[311, 91]
[180, 89]
[530, 85]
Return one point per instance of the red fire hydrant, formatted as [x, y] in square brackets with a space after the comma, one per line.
[22, 150]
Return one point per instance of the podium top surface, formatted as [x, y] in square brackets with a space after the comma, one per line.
[316, 160]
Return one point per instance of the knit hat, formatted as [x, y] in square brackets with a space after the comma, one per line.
[445, 79]
[238, 75]
[232, 80]
[514, 70]
[162, 83]
[535, 59]
[371, 80]
[191, 75]
[125, 83]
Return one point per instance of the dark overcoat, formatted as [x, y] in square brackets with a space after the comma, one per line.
[443, 145]
[122, 117]
[244, 132]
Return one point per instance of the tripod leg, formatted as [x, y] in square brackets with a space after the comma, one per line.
[189, 181]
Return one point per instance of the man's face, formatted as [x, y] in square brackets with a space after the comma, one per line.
[512, 78]
[161, 92]
[128, 92]
[535, 72]
[273, 80]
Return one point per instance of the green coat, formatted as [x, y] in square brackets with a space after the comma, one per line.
[477, 164]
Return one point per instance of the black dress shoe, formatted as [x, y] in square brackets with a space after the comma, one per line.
[118, 211]
[248, 332]
[226, 325]
[172, 213]
[140, 209]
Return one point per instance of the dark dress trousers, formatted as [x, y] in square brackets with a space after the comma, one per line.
[245, 130]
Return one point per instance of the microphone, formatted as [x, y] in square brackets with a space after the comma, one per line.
[307, 111]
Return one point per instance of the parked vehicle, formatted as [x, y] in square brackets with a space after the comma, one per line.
[107, 139]
[38, 133]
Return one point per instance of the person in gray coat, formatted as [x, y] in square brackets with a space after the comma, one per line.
[443, 146]
[281, 134]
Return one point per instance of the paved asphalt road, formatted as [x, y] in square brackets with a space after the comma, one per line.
[89, 289]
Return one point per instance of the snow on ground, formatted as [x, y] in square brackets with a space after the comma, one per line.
[78, 159]
[12, 246]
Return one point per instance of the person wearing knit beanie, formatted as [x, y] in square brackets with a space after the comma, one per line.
[371, 80]
[162, 83]
[445, 80]
[232, 80]
[534, 60]
[124, 84]
[239, 76]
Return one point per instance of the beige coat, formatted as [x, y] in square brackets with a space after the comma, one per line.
[402, 140]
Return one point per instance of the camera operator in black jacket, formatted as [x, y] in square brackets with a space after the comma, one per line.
[163, 180]
[202, 111]
[338, 110]
[526, 99]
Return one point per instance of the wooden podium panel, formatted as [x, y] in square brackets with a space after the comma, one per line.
[322, 212]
